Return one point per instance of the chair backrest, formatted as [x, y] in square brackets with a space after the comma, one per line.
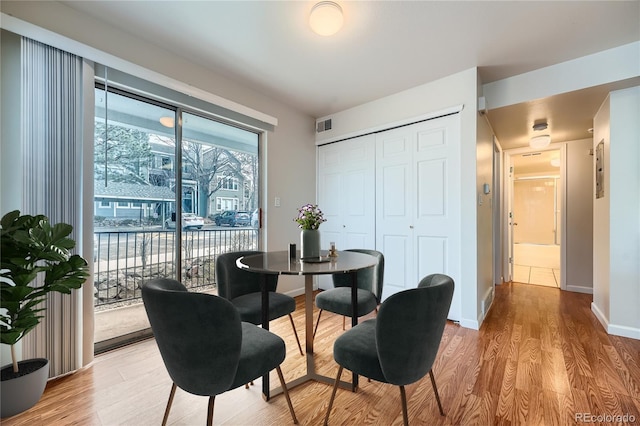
[199, 336]
[409, 327]
[234, 282]
[371, 279]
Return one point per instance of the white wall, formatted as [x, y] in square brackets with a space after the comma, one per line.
[601, 219]
[451, 91]
[624, 177]
[484, 220]
[290, 173]
[579, 224]
[608, 66]
[617, 216]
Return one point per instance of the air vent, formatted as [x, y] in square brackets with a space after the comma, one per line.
[322, 126]
[487, 302]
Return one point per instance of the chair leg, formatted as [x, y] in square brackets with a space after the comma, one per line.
[317, 324]
[333, 396]
[295, 334]
[435, 390]
[344, 319]
[286, 395]
[210, 410]
[403, 396]
[166, 410]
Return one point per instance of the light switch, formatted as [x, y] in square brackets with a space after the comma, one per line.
[276, 202]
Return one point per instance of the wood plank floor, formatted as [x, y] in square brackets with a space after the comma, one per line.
[540, 358]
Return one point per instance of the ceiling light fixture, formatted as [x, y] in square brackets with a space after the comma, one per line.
[540, 126]
[540, 141]
[326, 18]
[168, 121]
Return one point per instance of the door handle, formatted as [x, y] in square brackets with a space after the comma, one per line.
[515, 223]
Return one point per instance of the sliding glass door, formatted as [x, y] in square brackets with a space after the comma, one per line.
[172, 190]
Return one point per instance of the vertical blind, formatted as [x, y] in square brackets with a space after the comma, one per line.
[52, 182]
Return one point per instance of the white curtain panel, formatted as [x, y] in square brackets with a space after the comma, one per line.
[52, 184]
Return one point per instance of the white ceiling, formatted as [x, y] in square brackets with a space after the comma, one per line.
[385, 47]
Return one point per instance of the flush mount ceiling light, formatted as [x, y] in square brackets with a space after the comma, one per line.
[326, 18]
[167, 121]
[540, 126]
[540, 141]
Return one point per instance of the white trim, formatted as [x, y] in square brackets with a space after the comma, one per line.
[599, 315]
[616, 330]
[42, 35]
[562, 147]
[382, 127]
[624, 331]
[472, 324]
[297, 291]
[580, 289]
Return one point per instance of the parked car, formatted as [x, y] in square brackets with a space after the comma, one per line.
[255, 218]
[189, 221]
[233, 218]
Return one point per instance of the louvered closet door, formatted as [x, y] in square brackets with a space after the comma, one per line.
[418, 204]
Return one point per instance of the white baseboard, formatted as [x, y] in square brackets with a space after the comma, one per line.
[624, 331]
[295, 292]
[600, 316]
[616, 330]
[472, 324]
[580, 289]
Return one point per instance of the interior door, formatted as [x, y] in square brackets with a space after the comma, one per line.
[535, 210]
[394, 207]
[346, 195]
[418, 204]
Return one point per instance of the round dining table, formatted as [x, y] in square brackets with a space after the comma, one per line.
[281, 263]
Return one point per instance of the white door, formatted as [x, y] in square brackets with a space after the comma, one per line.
[418, 204]
[394, 207]
[346, 194]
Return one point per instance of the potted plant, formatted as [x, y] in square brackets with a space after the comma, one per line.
[31, 246]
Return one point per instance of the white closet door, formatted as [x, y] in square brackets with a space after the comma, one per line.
[418, 210]
[346, 194]
[394, 219]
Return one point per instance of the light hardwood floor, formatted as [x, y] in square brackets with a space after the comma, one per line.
[540, 358]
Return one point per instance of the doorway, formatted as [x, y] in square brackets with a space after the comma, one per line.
[536, 217]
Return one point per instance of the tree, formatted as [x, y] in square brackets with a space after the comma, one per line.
[122, 154]
[249, 167]
[203, 163]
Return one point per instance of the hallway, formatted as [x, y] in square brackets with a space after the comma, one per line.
[537, 264]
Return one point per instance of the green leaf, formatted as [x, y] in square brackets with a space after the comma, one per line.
[31, 245]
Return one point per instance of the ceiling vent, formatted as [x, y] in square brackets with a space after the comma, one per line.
[322, 126]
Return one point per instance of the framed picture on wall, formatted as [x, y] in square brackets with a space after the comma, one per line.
[600, 169]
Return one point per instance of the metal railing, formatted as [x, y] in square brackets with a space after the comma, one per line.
[124, 260]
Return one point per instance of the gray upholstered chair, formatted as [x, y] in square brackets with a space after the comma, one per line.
[400, 345]
[369, 292]
[204, 346]
[242, 288]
